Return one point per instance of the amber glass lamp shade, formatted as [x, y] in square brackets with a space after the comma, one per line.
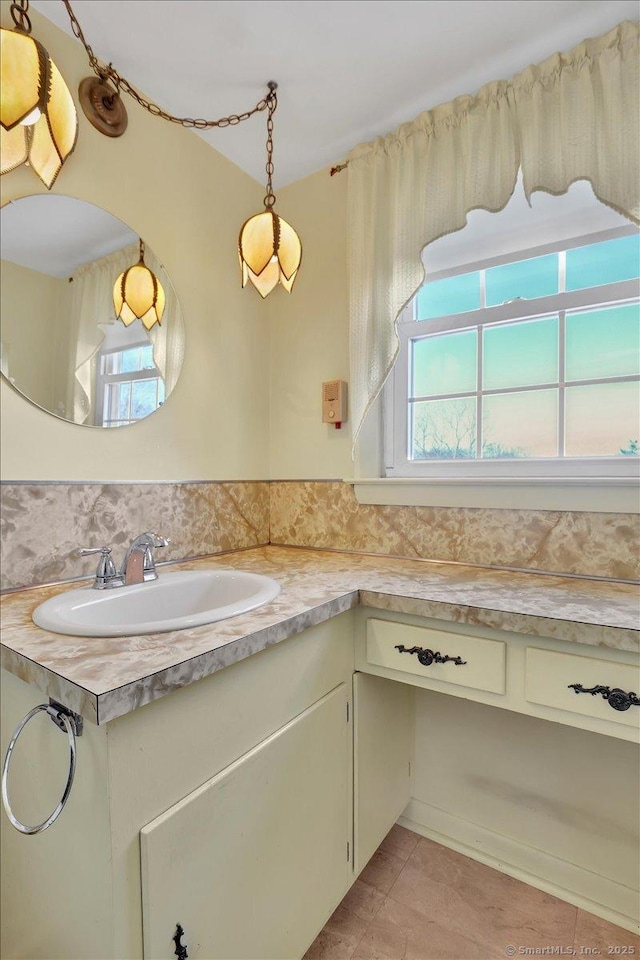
[38, 120]
[138, 295]
[270, 252]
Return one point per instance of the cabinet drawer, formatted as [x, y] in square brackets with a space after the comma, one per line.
[549, 674]
[483, 666]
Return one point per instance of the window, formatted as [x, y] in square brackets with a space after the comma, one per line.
[128, 385]
[524, 365]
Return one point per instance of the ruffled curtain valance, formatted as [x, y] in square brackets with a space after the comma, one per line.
[573, 117]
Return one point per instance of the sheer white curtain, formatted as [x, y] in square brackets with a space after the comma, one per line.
[92, 304]
[168, 337]
[575, 116]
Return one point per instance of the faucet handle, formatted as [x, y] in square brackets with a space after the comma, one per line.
[106, 567]
[88, 551]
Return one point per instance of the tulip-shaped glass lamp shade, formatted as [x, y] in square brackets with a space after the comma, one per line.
[138, 295]
[270, 252]
[38, 120]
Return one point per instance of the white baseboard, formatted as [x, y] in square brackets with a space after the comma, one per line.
[598, 895]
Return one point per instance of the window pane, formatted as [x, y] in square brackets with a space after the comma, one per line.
[147, 361]
[604, 262]
[144, 399]
[444, 364]
[131, 360]
[526, 279]
[116, 401]
[441, 298]
[108, 407]
[123, 391]
[111, 363]
[602, 420]
[443, 429]
[516, 425]
[520, 354]
[603, 343]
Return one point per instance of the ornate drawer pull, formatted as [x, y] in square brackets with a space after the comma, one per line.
[427, 657]
[616, 698]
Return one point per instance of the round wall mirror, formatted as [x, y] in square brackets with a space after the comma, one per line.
[62, 345]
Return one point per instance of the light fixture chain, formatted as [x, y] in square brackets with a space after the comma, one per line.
[272, 99]
[20, 15]
[110, 73]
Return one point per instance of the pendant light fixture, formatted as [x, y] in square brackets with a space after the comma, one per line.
[138, 295]
[39, 124]
[39, 127]
[269, 249]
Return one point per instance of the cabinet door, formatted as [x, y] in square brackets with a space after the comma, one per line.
[253, 862]
[383, 744]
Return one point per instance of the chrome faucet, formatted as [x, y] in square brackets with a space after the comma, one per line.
[138, 565]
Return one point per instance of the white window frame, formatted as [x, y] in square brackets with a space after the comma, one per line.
[591, 483]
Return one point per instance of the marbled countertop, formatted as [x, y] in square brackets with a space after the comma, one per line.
[104, 678]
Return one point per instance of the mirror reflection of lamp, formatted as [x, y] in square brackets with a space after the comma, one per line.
[269, 248]
[138, 295]
[38, 120]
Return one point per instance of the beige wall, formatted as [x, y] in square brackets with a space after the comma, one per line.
[189, 203]
[309, 335]
[29, 305]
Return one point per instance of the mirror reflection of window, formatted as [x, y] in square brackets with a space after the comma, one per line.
[61, 345]
[129, 385]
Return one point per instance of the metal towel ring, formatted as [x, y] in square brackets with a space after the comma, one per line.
[63, 720]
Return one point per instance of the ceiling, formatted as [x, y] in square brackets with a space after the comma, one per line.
[55, 235]
[348, 70]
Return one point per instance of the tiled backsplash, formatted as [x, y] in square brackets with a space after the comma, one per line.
[327, 514]
[43, 524]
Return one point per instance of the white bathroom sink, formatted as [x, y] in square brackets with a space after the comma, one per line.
[172, 602]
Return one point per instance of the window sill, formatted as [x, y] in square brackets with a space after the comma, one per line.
[589, 494]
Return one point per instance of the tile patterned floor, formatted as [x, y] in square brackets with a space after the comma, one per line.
[417, 900]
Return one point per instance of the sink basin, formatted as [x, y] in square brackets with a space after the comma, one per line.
[172, 602]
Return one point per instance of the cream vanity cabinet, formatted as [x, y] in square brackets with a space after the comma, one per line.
[531, 675]
[225, 807]
[244, 805]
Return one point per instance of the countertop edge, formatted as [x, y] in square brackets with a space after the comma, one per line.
[111, 704]
[74, 696]
[102, 703]
[592, 634]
